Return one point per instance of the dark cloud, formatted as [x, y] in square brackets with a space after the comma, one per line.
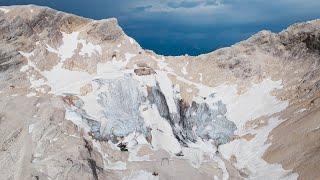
[141, 8]
[212, 2]
[184, 4]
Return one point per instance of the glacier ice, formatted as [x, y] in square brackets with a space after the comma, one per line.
[121, 99]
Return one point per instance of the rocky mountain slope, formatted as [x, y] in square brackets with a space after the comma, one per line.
[79, 99]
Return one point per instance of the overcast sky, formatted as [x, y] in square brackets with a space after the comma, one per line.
[189, 26]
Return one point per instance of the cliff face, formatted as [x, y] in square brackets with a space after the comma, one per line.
[82, 100]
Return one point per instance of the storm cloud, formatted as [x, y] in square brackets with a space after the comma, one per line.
[176, 27]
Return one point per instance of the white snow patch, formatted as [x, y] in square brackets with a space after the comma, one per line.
[24, 68]
[89, 48]
[249, 155]
[119, 165]
[167, 89]
[4, 10]
[162, 135]
[184, 69]
[51, 49]
[149, 80]
[65, 81]
[254, 103]
[221, 164]
[70, 43]
[301, 111]
[141, 175]
[36, 83]
[32, 94]
[132, 41]
[201, 77]
[30, 129]
[133, 156]
[195, 151]
[134, 143]
[76, 118]
[189, 90]
[129, 56]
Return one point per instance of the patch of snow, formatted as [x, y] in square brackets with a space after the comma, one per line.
[132, 41]
[65, 81]
[167, 89]
[129, 56]
[249, 155]
[184, 69]
[189, 90]
[195, 151]
[119, 165]
[70, 43]
[24, 68]
[32, 94]
[221, 164]
[301, 111]
[135, 139]
[254, 103]
[27, 55]
[201, 77]
[76, 118]
[163, 65]
[5, 10]
[162, 135]
[149, 80]
[133, 155]
[36, 83]
[92, 107]
[141, 175]
[134, 143]
[51, 49]
[30, 129]
[89, 48]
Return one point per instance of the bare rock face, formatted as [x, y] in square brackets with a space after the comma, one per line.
[79, 99]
